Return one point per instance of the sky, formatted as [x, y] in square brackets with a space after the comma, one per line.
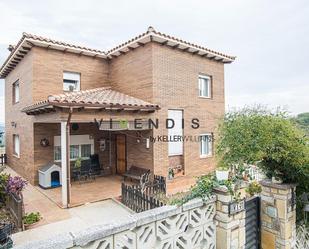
[269, 38]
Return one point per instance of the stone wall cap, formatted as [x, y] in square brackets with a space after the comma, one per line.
[83, 237]
[284, 186]
[221, 190]
[198, 202]
[59, 241]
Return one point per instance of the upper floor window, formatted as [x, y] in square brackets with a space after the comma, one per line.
[16, 92]
[71, 81]
[204, 84]
[205, 145]
[16, 145]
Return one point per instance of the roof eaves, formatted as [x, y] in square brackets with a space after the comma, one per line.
[151, 34]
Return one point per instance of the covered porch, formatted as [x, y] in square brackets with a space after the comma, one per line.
[68, 128]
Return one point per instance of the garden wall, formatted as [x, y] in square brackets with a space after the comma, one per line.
[189, 226]
[213, 223]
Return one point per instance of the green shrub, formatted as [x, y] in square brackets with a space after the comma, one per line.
[271, 140]
[31, 218]
[254, 188]
[3, 184]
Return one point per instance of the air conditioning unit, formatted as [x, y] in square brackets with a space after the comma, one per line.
[71, 88]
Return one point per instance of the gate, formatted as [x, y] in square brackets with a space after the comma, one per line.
[253, 237]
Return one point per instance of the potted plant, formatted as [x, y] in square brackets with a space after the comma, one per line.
[276, 177]
[276, 180]
[222, 172]
[170, 174]
[254, 188]
[31, 218]
[78, 163]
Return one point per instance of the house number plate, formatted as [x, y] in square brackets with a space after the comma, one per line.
[236, 207]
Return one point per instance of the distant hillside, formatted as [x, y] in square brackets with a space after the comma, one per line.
[302, 120]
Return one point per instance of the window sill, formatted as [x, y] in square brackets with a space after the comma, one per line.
[16, 156]
[203, 97]
[72, 160]
[68, 91]
[205, 156]
[175, 155]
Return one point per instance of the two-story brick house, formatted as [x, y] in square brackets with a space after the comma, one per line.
[51, 85]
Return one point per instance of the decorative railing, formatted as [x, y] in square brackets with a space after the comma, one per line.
[135, 199]
[189, 226]
[141, 198]
[302, 237]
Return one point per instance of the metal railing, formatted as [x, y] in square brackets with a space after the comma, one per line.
[3, 159]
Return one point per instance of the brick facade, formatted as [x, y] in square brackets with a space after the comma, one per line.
[154, 73]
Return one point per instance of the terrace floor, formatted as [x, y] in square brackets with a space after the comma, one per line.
[48, 202]
[101, 188]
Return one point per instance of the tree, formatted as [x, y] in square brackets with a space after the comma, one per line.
[302, 120]
[269, 139]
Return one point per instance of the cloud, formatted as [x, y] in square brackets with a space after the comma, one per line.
[269, 39]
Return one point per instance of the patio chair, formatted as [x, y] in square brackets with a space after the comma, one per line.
[95, 165]
[85, 170]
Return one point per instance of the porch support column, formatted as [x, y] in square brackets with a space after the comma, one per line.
[64, 166]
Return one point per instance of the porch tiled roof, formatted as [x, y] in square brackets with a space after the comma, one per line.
[103, 97]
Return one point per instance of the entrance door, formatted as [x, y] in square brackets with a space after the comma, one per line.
[253, 223]
[121, 154]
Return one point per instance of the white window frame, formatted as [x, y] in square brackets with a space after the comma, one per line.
[16, 145]
[202, 86]
[176, 131]
[71, 76]
[16, 92]
[77, 140]
[210, 144]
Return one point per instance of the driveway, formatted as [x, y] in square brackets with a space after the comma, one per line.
[81, 217]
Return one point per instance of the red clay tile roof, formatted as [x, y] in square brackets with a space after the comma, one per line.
[103, 97]
[44, 39]
[28, 40]
[152, 31]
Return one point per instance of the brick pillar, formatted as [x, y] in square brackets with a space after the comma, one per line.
[278, 215]
[230, 228]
